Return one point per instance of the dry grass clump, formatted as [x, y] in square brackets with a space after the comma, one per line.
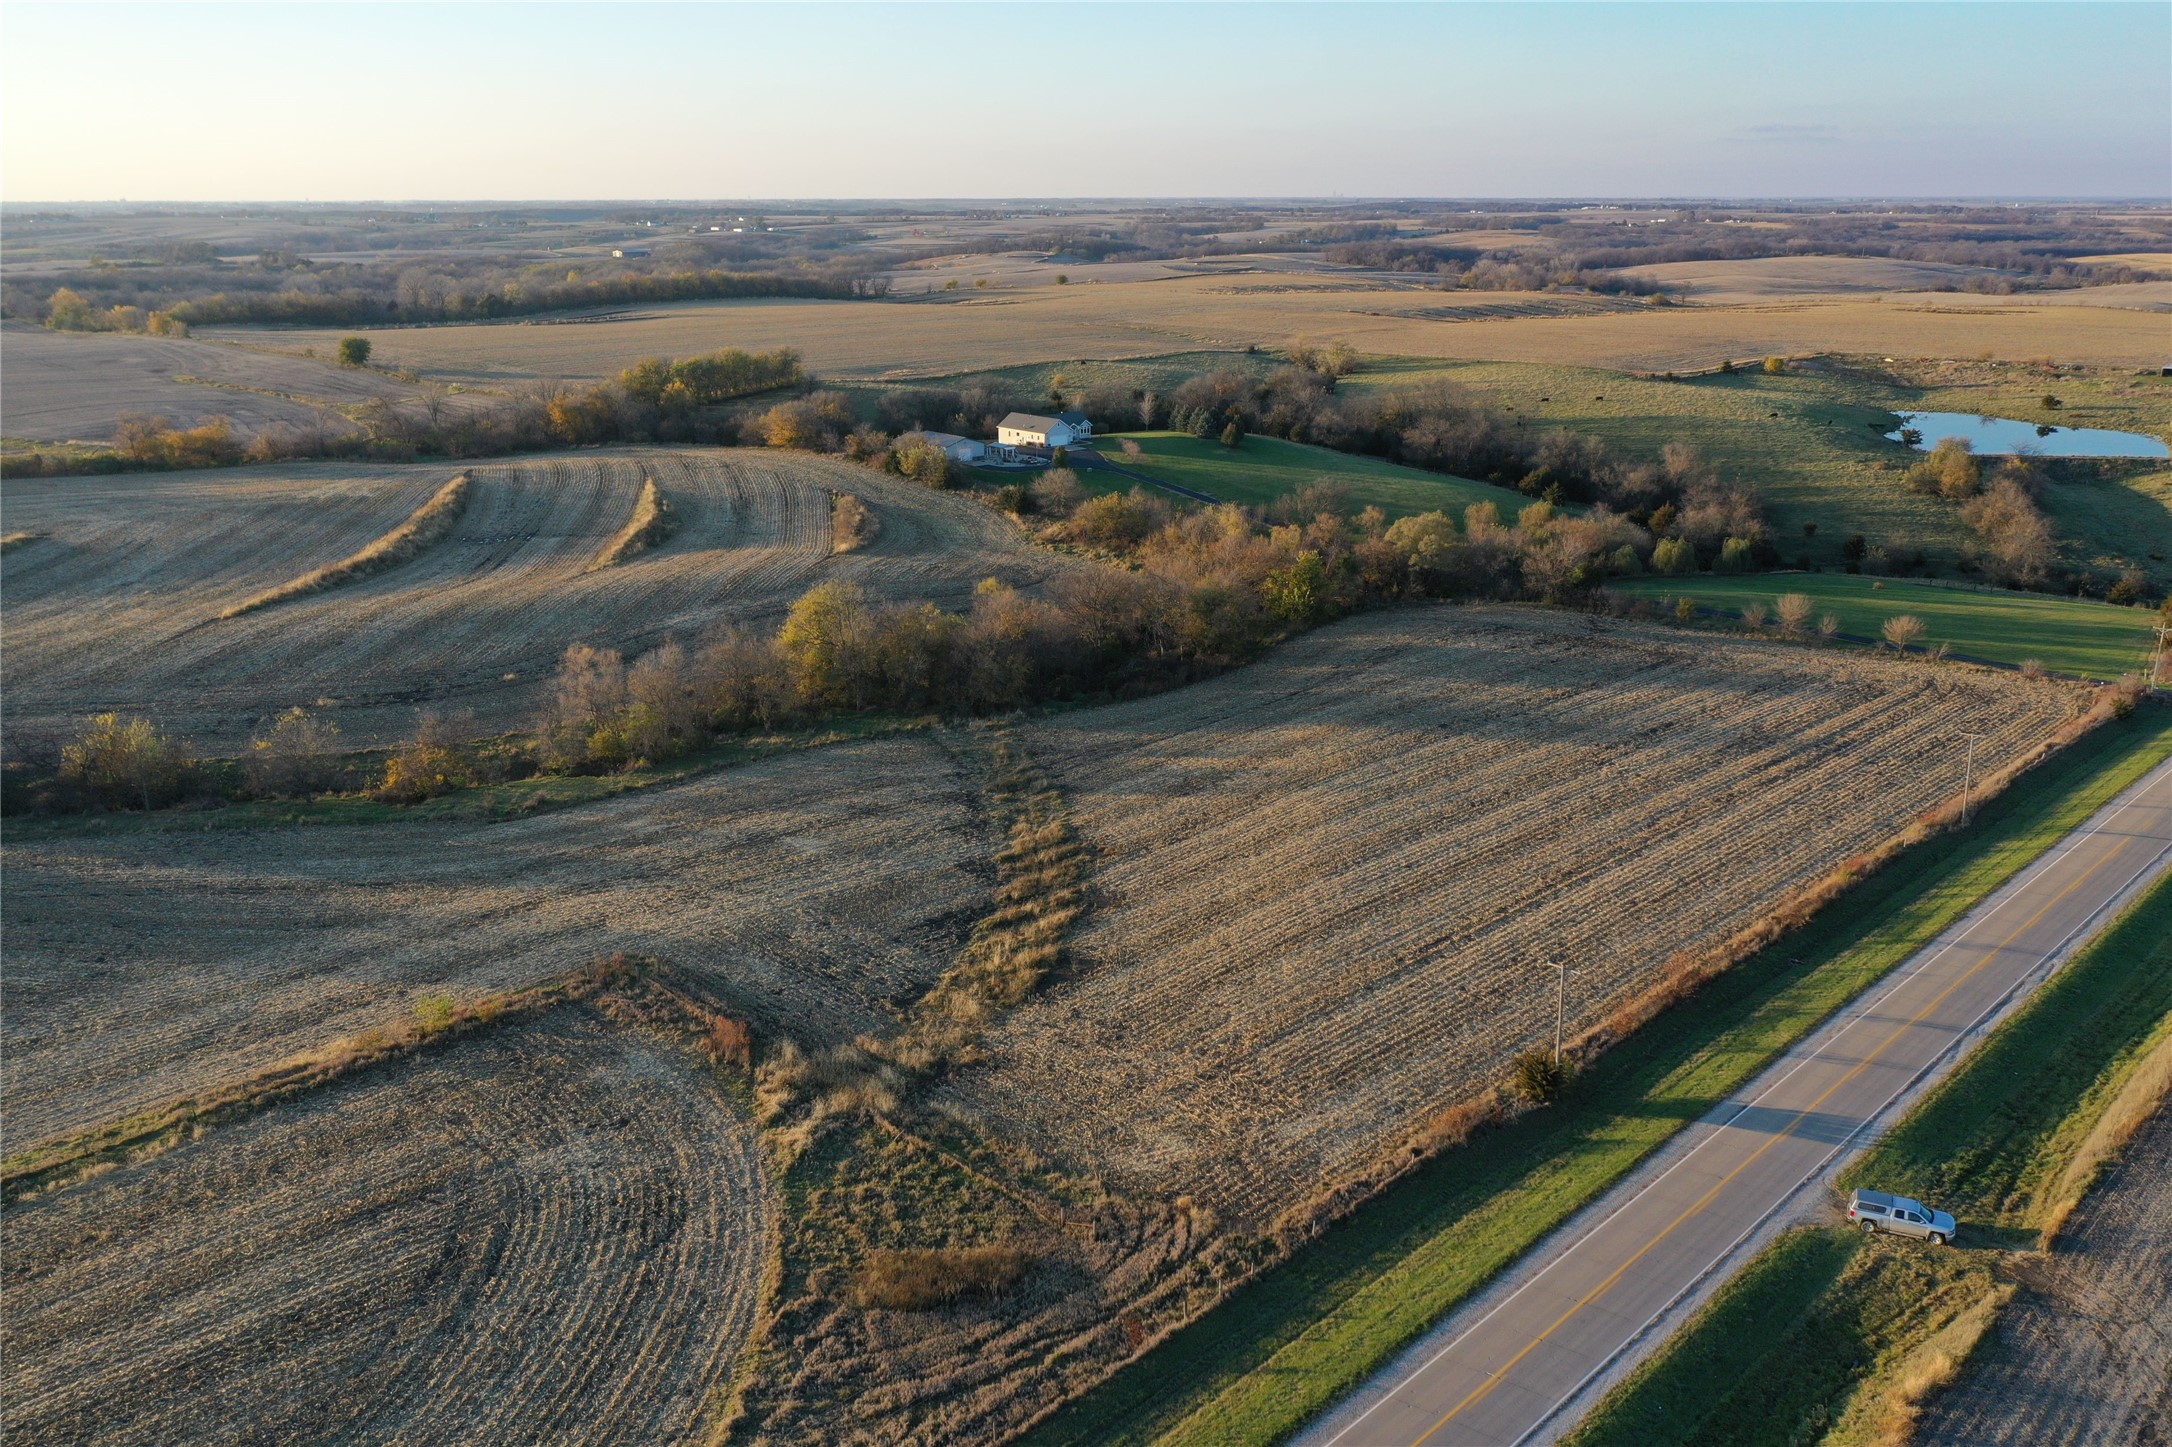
[922, 1280]
[2138, 1100]
[12, 541]
[651, 521]
[853, 524]
[425, 528]
[1040, 894]
[1888, 1415]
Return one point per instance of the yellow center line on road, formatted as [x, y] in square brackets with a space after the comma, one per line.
[1479, 1393]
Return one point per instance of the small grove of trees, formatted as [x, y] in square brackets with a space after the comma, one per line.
[298, 757]
[123, 763]
[68, 311]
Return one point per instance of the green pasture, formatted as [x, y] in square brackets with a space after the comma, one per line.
[1261, 469]
[2066, 635]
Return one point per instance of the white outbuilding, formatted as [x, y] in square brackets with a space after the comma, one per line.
[956, 448]
[1030, 429]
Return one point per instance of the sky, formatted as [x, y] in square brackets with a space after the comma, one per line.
[559, 101]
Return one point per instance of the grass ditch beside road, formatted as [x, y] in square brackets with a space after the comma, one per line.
[1830, 1337]
[1287, 1345]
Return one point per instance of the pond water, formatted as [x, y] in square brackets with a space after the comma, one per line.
[1999, 436]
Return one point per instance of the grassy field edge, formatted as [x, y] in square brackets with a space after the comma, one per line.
[1839, 1333]
[1285, 1346]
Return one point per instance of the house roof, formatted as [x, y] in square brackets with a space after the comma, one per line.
[944, 439]
[1030, 421]
[1076, 419]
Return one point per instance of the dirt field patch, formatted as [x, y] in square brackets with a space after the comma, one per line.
[820, 892]
[119, 606]
[1327, 885]
[553, 1233]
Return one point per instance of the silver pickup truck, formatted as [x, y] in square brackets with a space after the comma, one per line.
[1876, 1211]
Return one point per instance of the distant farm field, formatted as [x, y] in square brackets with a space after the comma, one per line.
[819, 893]
[1711, 282]
[2067, 635]
[71, 386]
[555, 1233]
[1329, 883]
[1265, 468]
[118, 603]
[907, 338]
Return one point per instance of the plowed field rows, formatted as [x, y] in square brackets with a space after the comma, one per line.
[117, 607]
[552, 1233]
[1328, 884]
[814, 890]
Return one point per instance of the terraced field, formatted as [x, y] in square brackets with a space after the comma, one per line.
[553, 1233]
[1328, 885]
[118, 605]
[817, 892]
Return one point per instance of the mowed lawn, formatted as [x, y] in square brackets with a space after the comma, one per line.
[1262, 469]
[2066, 635]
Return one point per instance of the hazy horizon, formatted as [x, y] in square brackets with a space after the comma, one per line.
[549, 104]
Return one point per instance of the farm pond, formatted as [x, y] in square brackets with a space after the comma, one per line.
[2006, 435]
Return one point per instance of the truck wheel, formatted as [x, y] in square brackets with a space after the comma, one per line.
[1870, 1228]
[1938, 1238]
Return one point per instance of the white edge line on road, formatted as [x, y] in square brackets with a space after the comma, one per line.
[1839, 1023]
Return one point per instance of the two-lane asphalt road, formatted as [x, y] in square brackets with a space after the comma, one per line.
[1503, 1376]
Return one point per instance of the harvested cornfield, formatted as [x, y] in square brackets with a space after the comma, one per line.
[554, 1232]
[58, 386]
[1328, 885]
[820, 893]
[900, 338]
[119, 608]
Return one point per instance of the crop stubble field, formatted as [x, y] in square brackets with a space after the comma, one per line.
[817, 893]
[555, 1233]
[118, 605]
[73, 386]
[1135, 319]
[1327, 885]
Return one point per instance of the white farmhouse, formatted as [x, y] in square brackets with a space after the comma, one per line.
[956, 448]
[1030, 429]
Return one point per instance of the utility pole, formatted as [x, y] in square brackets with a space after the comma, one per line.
[1561, 1003]
[1968, 773]
[2156, 664]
